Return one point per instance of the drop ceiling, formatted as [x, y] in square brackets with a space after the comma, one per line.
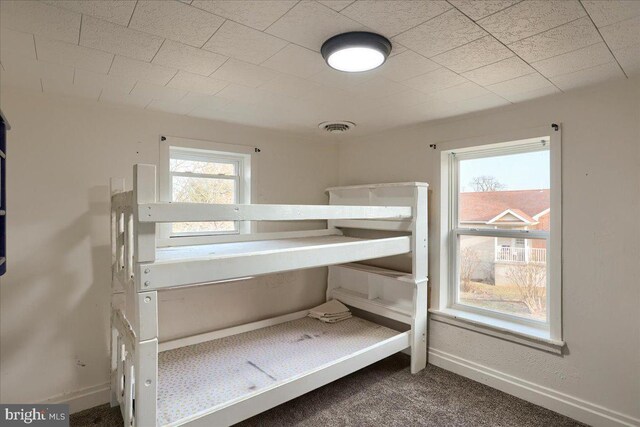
[258, 62]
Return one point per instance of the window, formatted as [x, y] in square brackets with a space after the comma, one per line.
[501, 240]
[203, 172]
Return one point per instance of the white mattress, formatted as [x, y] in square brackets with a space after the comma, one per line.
[237, 248]
[198, 377]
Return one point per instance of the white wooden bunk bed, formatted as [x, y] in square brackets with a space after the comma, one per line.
[223, 377]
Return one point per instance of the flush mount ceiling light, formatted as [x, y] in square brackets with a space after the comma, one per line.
[356, 51]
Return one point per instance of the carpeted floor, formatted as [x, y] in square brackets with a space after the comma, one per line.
[386, 394]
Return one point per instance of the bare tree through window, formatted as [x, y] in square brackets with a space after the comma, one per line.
[486, 183]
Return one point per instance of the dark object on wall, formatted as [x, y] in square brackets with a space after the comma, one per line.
[4, 127]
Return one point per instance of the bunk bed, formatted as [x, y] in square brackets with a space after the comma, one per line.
[225, 376]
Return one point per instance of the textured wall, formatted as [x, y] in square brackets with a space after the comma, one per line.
[54, 299]
[601, 236]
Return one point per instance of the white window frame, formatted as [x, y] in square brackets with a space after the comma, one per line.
[545, 335]
[240, 155]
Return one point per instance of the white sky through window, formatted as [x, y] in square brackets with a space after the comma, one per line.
[526, 171]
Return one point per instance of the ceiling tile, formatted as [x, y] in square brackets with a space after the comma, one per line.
[339, 80]
[377, 87]
[445, 32]
[434, 81]
[563, 39]
[14, 76]
[606, 13]
[518, 85]
[169, 107]
[176, 21]
[622, 34]
[110, 37]
[296, 60]
[483, 102]
[398, 100]
[396, 49]
[55, 77]
[629, 59]
[476, 54]
[528, 18]
[16, 45]
[310, 24]
[405, 66]
[577, 60]
[241, 95]
[597, 74]
[506, 69]
[116, 11]
[188, 58]
[196, 83]
[106, 82]
[71, 90]
[197, 100]
[161, 93]
[477, 9]
[120, 98]
[244, 43]
[461, 92]
[72, 54]
[244, 73]
[258, 14]
[293, 87]
[39, 18]
[391, 17]
[336, 5]
[139, 70]
[28, 74]
[532, 94]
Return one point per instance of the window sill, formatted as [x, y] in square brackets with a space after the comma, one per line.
[521, 334]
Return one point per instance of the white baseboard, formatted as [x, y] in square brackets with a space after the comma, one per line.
[84, 398]
[573, 407]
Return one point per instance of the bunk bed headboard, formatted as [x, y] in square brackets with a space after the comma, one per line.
[412, 194]
[395, 194]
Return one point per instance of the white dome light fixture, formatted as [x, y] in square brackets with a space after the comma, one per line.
[356, 51]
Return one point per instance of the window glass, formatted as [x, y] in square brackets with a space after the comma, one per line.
[200, 177]
[503, 191]
[212, 168]
[502, 196]
[500, 277]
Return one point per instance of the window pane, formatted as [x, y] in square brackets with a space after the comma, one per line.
[193, 166]
[203, 190]
[507, 192]
[204, 227]
[504, 274]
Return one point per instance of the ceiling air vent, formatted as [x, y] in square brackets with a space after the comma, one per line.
[336, 127]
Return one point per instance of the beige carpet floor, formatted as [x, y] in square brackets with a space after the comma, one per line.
[386, 394]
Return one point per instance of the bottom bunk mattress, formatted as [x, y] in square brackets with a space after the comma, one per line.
[197, 378]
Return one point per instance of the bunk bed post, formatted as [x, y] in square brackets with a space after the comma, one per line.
[144, 191]
[145, 358]
[419, 269]
[116, 186]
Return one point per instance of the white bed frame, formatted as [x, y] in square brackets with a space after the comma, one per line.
[140, 269]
